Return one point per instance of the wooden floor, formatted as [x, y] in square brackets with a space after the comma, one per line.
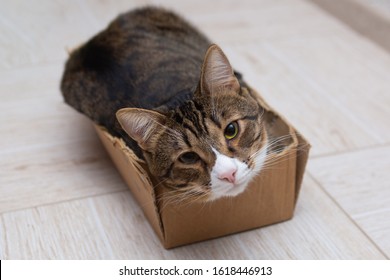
[61, 197]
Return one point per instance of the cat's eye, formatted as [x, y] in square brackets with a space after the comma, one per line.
[189, 158]
[231, 130]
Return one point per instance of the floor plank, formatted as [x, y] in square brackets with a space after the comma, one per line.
[44, 121]
[254, 20]
[79, 20]
[131, 237]
[299, 99]
[371, 18]
[53, 27]
[380, 7]
[30, 82]
[49, 174]
[354, 82]
[3, 240]
[62, 231]
[317, 218]
[128, 232]
[359, 182]
[33, 111]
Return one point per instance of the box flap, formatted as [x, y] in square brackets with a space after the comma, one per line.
[302, 148]
[302, 157]
[133, 172]
[270, 197]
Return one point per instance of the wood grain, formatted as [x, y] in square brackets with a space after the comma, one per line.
[62, 231]
[127, 229]
[256, 20]
[380, 7]
[354, 84]
[359, 182]
[115, 228]
[3, 240]
[302, 100]
[34, 33]
[49, 174]
[371, 18]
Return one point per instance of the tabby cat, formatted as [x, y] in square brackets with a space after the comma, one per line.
[158, 83]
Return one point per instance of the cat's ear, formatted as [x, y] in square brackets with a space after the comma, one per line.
[141, 125]
[217, 73]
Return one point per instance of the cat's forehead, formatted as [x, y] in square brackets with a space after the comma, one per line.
[232, 105]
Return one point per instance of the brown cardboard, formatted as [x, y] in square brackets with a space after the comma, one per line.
[269, 199]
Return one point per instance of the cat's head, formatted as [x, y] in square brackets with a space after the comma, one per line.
[211, 146]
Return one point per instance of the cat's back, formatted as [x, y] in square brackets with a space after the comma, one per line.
[142, 59]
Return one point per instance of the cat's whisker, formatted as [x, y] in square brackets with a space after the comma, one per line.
[276, 154]
[184, 196]
[258, 152]
[194, 196]
[271, 144]
[279, 139]
[277, 159]
[161, 182]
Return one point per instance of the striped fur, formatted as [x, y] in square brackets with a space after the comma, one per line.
[154, 80]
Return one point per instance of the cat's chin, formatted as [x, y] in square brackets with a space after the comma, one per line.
[222, 188]
[227, 190]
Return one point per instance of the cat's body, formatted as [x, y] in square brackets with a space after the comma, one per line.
[188, 115]
[146, 58]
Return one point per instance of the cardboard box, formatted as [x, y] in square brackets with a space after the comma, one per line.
[270, 197]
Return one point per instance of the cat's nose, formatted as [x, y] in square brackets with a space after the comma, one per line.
[228, 175]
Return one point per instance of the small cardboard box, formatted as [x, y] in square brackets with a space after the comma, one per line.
[270, 198]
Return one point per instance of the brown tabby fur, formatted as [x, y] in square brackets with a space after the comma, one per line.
[155, 65]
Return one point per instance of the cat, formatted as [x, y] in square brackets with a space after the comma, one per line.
[154, 80]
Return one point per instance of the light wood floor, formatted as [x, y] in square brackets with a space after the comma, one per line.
[61, 197]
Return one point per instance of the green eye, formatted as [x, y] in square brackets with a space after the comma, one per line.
[189, 158]
[231, 130]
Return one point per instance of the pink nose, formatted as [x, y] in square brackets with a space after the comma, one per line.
[229, 175]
